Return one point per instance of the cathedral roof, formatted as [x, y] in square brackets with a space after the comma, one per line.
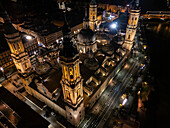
[86, 36]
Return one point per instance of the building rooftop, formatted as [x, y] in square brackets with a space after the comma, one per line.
[52, 78]
[28, 117]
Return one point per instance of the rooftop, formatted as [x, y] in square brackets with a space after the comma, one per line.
[27, 115]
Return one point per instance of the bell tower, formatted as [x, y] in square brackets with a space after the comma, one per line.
[72, 82]
[132, 26]
[18, 54]
[92, 14]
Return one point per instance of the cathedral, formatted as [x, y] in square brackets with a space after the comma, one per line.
[84, 70]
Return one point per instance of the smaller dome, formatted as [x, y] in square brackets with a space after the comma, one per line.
[86, 36]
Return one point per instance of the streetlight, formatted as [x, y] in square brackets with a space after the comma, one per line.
[28, 37]
[114, 25]
[2, 69]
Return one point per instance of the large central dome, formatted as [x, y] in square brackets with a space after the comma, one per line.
[86, 36]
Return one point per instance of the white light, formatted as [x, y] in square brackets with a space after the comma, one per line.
[28, 37]
[1, 69]
[114, 25]
[124, 101]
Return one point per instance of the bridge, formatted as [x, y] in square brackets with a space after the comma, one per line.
[156, 15]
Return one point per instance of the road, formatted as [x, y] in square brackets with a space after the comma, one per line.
[110, 97]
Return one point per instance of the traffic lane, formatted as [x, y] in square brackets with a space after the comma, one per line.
[120, 91]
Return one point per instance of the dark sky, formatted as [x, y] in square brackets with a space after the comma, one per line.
[153, 5]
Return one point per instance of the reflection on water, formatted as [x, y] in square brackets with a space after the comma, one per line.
[161, 29]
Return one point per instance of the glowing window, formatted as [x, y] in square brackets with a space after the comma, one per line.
[132, 20]
[26, 65]
[14, 47]
[129, 20]
[19, 47]
[135, 21]
[71, 73]
[78, 93]
[68, 94]
[65, 72]
[77, 73]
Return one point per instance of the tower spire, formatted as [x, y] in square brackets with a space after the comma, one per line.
[85, 20]
[68, 49]
[136, 4]
[72, 82]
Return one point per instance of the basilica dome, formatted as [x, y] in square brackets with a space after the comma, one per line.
[86, 36]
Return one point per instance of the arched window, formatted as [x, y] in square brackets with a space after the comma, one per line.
[78, 93]
[14, 47]
[129, 20]
[132, 20]
[26, 65]
[68, 94]
[65, 72]
[76, 68]
[135, 21]
[128, 37]
[71, 73]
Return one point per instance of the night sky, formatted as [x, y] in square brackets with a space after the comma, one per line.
[159, 107]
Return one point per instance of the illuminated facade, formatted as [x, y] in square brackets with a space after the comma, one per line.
[98, 68]
[93, 15]
[18, 54]
[132, 26]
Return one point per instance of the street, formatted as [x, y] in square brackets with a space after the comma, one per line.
[110, 97]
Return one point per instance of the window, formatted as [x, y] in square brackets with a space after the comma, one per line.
[135, 21]
[129, 20]
[132, 20]
[71, 73]
[128, 37]
[19, 47]
[65, 72]
[77, 73]
[78, 93]
[26, 65]
[68, 94]
[14, 47]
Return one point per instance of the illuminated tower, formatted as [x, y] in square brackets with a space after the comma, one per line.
[92, 14]
[18, 54]
[72, 82]
[132, 26]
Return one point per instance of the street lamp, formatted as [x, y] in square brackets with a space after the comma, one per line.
[28, 37]
[113, 25]
[2, 69]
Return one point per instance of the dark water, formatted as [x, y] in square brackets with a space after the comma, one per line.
[158, 38]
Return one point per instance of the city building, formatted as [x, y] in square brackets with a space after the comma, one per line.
[85, 69]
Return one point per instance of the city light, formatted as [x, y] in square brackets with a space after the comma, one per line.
[28, 37]
[2, 69]
[124, 101]
[113, 25]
